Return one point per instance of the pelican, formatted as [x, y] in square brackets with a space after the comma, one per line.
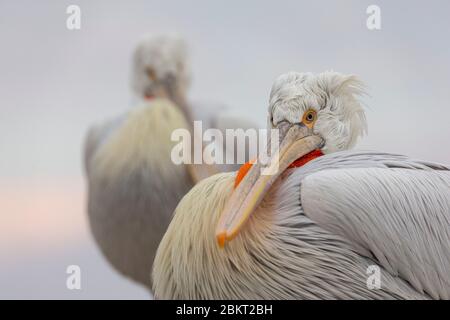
[317, 227]
[133, 186]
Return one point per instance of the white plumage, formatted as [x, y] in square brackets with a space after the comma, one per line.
[133, 187]
[398, 217]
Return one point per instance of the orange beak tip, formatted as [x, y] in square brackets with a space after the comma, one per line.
[221, 239]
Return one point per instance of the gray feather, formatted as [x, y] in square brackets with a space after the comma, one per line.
[389, 208]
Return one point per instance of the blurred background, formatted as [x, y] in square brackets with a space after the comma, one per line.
[55, 82]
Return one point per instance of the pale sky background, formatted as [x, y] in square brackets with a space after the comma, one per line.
[54, 83]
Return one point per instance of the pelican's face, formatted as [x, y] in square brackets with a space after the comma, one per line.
[311, 112]
[161, 67]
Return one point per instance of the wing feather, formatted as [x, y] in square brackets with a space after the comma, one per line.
[398, 216]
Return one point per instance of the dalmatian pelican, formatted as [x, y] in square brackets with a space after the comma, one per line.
[133, 186]
[317, 227]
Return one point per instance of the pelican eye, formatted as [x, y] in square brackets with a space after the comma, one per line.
[309, 117]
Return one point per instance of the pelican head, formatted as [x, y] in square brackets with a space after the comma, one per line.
[312, 112]
[160, 67]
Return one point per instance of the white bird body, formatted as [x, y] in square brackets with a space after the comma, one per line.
[312, 232]
[133, 185]
[304, 244]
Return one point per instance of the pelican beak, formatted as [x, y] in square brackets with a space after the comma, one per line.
[297, 142]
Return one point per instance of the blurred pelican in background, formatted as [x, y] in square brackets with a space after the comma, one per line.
[315, 228]
[133, 186]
